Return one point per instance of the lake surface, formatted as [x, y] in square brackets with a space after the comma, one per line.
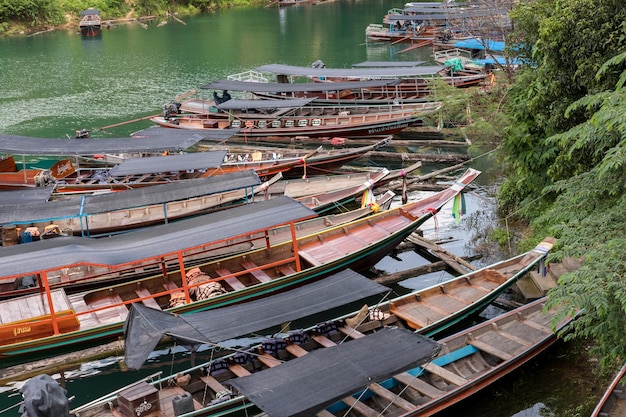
[56, 83]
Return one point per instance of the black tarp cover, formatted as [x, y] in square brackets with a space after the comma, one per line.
[295, 87]
[25, 196]
[44, 397]
[352, 72]
[164, 133]
[149, 141]
[306, 385]
[145, 327]
[150, 242]
[40, 211]
[169, 163]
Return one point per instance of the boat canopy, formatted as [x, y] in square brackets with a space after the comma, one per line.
[237, 104]
[295, 87]
[25, 196]
[150, 140]
[138, 197]
[304, 386]
[158, 132]
[145, 327]
[169, 163]
[280, 69]
[153, 242]
[388, 64]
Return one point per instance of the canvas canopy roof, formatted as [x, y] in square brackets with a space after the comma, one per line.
[139, 197]
[236, 104]
[25, 196]
[169, 163]
[145, 327]
[306, 385]
[151, 242]
[294, 87]
[149, 140]
[351, 72]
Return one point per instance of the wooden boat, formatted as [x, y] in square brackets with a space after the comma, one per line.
[467, 362]
[211, 385]
[612, 403]
[353, 93]
[82, 276]
[151, 140]
[90, 22]
[260, 118]
[100, 313]
[97, 214]
[409, 75]
[322, 193]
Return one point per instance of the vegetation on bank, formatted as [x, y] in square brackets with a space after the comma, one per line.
[28, 16]
[565, 155]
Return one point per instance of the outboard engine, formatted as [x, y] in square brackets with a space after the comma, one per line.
[82, 134]
[171, 109]
[318, 64]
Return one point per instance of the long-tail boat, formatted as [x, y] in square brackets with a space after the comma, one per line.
[211, 386]
[260, 118]
[95, 214]
[83, 275]
[467, 362]
[97, 314]
[613, 401]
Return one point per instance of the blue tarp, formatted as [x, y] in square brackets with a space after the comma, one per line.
[497, 46]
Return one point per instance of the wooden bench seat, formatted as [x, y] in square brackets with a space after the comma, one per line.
[150, 302]
[259, 274]
[286, 270]
[234, 282]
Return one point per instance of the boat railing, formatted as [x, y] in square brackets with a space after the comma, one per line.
[250, 76]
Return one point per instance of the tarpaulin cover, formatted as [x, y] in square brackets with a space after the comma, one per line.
[44, 397]
[145, 327]
[139, 197]
[306, 385]
[351, 72]
[169, 163]
[25, 196]
[295, 87]
[150, 242]
[158, 132]
[148, 141]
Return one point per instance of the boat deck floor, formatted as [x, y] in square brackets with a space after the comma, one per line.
[330, 248]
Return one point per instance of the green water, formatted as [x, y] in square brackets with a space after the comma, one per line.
[55, 83]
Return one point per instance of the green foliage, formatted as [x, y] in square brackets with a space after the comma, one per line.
[565, 155]
[564, 46]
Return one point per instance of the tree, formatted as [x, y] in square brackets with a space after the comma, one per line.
[562, 46]
[589, 217]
